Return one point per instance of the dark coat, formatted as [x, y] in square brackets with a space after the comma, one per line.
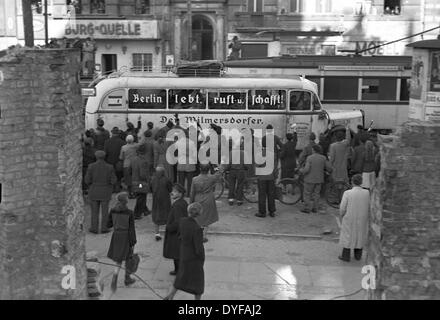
[124, 233]
[288, 158]
[161, 187]
[315, 167]
[190, 276]
[132, 132]
[140, 170]
[112, 148]
[171, 244]
[88, 156]
[100, 137]
[357, 159]
[100, 177]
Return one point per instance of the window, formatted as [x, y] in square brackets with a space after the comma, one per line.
[267, 100]
[328, 49]
[37, 6]
[379, 89]
[296, 6]
[227, 99]
[300, 100]
[253, 50]
[97, 6]
[323, 6]
[404, 89]
[255, 5]
[142, 7]
[341, 88]
[186, 99]
[76, 4]
[391, 7]
[142, 61]
[147, 99]
[315, 102]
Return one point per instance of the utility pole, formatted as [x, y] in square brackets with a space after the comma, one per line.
[46, 26]
[189, 13]
[28, 23]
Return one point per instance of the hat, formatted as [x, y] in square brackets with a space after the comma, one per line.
[115, 130]
[194, 209]
[100, 154]
[179, 188]
[122, 197]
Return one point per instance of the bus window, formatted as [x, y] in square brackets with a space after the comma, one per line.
[341, 88]
[114, 100]
[267, 99]
[300, 100]
[382, 89]
[186, 99]
[233, 99]
[315, 102]
[404, 89]
[147, 99]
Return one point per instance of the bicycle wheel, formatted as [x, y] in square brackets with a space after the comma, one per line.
[335, 191]
[219, 189]
[250, 190]
[289, 191]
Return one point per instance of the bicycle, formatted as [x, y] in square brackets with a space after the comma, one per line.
[334, 192]
[250, 188]
[290, 190]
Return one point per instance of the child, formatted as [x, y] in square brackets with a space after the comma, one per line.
[161, 187]
[171, 245]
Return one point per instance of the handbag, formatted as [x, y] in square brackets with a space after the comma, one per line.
[140, 186]
[132, 263]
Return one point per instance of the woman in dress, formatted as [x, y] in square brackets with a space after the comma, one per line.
[123, 240]
[190, 276]
[202, 191]
[161, 187]
[171, 244]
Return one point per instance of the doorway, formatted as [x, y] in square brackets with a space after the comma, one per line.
[203, 39]
[109, 63]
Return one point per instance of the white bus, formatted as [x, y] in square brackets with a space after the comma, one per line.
[229, 102]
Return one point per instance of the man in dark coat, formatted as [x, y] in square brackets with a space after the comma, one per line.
[161, 187]
[100, 178]
[101, 135]
[307, 151]
[266, 187]
[88, 158]
[171, 245]
[112, 149]
[288, 156]
[190, 276]
[123, 238]
[141, 179]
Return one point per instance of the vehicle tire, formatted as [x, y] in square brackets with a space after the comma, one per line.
[335, 191]
[250, 190]
[289, 191]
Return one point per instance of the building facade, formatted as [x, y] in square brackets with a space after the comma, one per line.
[298, 27]
[152, 34]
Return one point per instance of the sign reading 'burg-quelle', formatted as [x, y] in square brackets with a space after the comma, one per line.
[111, 29]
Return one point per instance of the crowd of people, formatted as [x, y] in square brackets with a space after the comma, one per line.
[133, 165]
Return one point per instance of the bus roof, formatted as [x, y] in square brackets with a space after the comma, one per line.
[220, 83]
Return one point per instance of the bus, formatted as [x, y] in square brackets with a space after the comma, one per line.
[228, 102]
[378, 85]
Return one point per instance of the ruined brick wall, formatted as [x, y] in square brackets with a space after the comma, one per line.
[41, 209]
[405, 228]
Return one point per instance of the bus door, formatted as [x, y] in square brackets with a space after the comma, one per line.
[300, 115]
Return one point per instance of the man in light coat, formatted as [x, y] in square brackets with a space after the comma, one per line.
[354, 210]
[338, 155]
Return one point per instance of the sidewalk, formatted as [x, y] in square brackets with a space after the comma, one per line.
[245, 261]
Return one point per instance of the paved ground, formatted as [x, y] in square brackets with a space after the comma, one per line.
[286, 257]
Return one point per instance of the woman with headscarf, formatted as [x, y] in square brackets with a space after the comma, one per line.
[202, 191]
[128, 153]
[161, 187]
[123, 240]
[190, 277]
[171, 244]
